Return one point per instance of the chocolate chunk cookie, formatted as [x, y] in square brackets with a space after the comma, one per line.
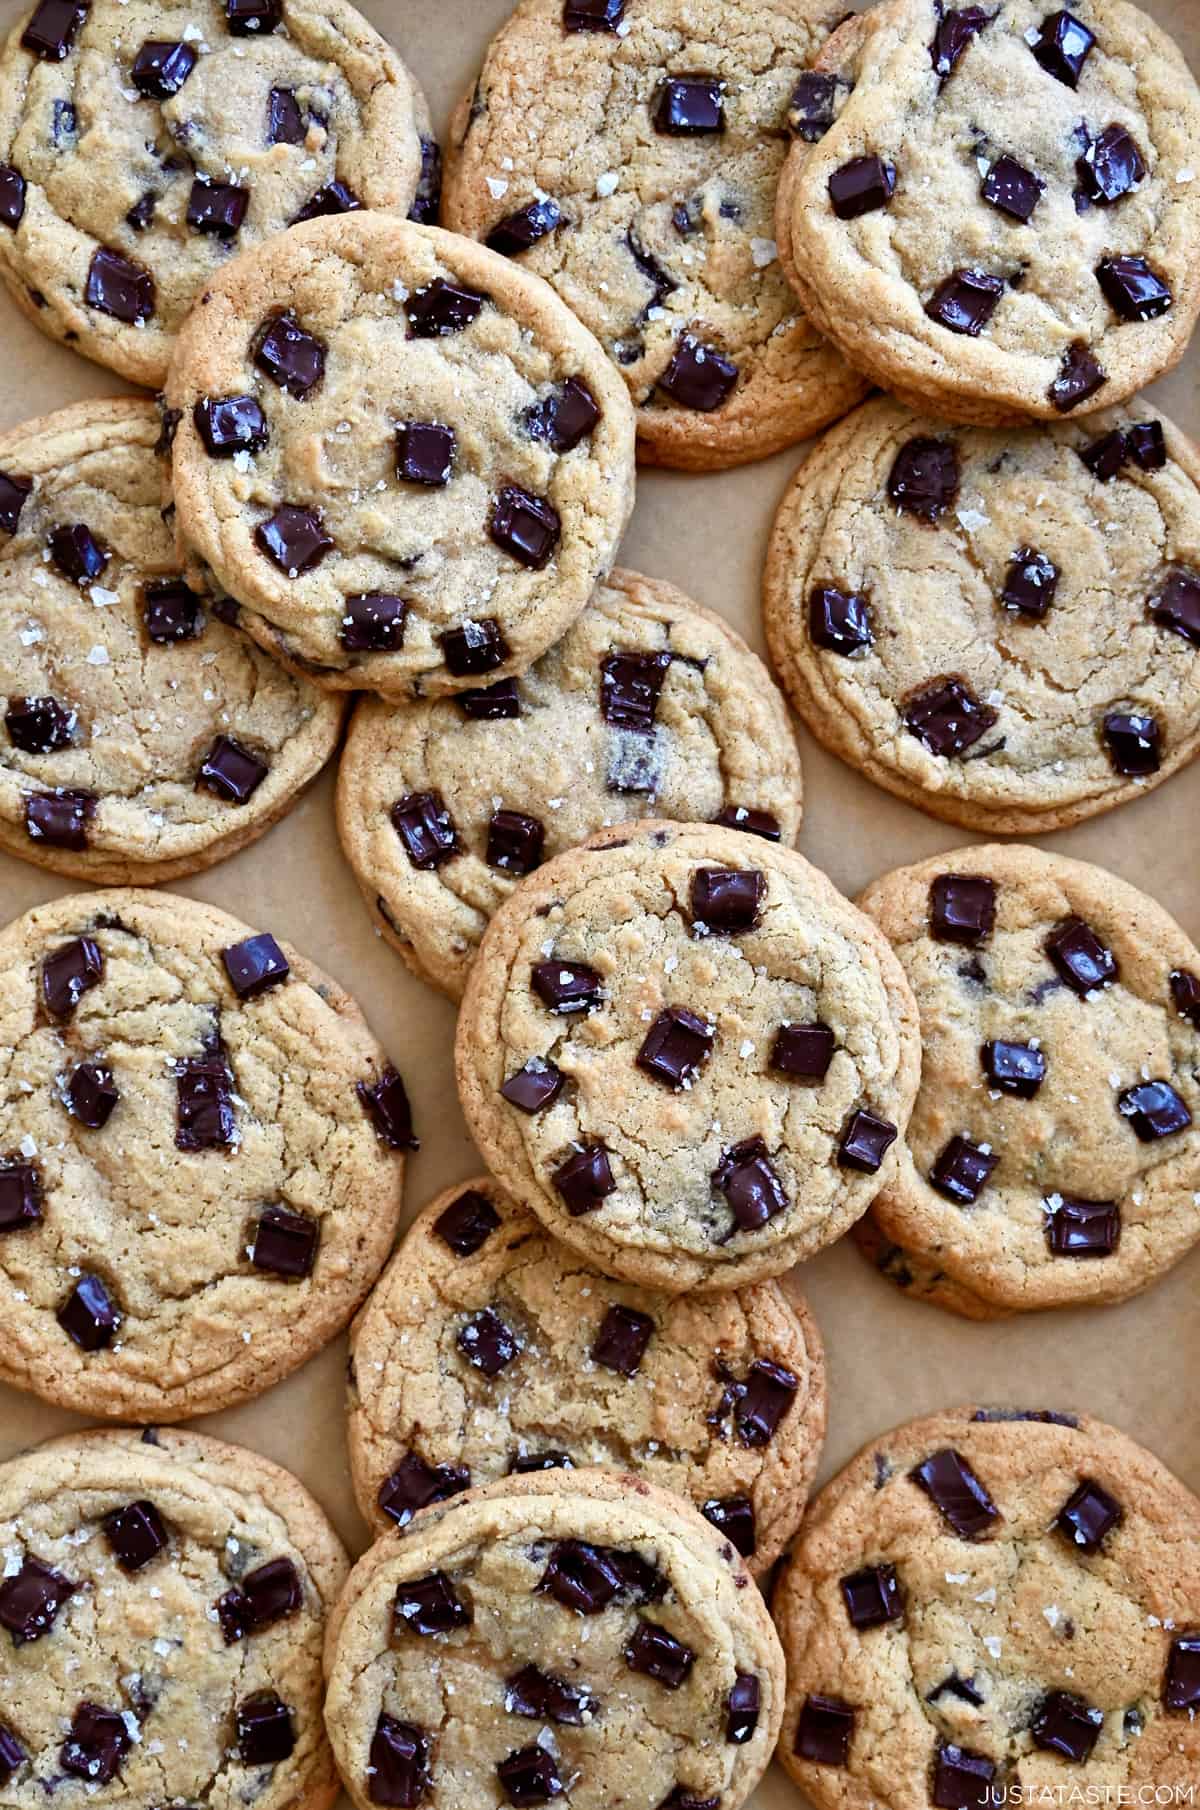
[433, 527]
[161, 1618]
[1001, 627]
[143, 736]
[998, 223]
[143, 142]
[199, 1156]
[990, 1602]
[630, 154]
[486, 1351]
[688, 1054]
[1051, 1157]
[648, 706]
[581, 1635]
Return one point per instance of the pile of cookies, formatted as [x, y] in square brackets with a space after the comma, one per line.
[386, 477]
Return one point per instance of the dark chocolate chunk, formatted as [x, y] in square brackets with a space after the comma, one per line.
[117, 286]
[839, 620]
[1134, 742]
[12, 196]
[467, 1223]
[825, 1730]
[1068, 1725]
[217, 208]
[1106, 457]
[1154, 1110]
[96, 1745]
[742, 1707]
[962, 1779]
[68, 973]
[526, 1464]
[1089, 1516]
[1014, 1068]
[141, 214]
[265, 1596]
[334, 198]
[1030, 583]
[428, 198]
[294, 538]
[255, 965]
[12, 1755]
[1132, 289]
[476, 647]
[77, 553]
[861, 186]
[1110, 166]
[957, 1493]
[285, 1243]
[947, 717]
[1185, 991]
[675, 1047]
[962, 908]
[530, 1776]
[230, 424]
[1013, 189]
[621, 1342]
[544, 1698]
[924, 478]
[866, 1140]
[518, 231]
[584, 1180]
[14, 492]
[1080, 375]
[699, 376]
[630, 686]
[1146, 445]
[954, 1686]
[810, 113]
[803, 1051]
[425, 453]
[689, 105]
[441, 308]
[89, 1316]
[1177, 605]
[754, 823]
[30, 1600]
[39, 725]
[726, 900]
[204, 1115]
[426, 828]
[1062, 46]
[582, 1577]
[763, 1400]
[515, 842]
[398, 1769]
[535, 1086]
[955, 30]
[593, 15]
[249, 18]
[1080, 958]
[565, 417]
[962, 1170]
[91, 1094]
[290, 356]
[751, 1186]
[965, 301]
[285, 122]
[373, 623]
[171, 612]
[658, 1655]
[488, 1344]
[872, 1597]
[414, 1485]
[60, 818]
[1181, 1687]
[1082, 1228]
[566, 987]
[525, 526]
[431, 1605]
[231, 771]
[734, 1517]
[51, 31]
[266, 1734]
[20, 1194]
[385, 1103]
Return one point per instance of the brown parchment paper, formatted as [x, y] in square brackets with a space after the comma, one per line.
[889, 1359]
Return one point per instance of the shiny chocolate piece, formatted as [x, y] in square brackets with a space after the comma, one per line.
[413, 1485]
[699, 377]
[290, 356]
[861, 186]
[957, 1493]
[467, 1223]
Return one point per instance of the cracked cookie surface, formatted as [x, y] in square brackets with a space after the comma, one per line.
[993, 1599]
[487, 1349]
[635, 167]
[123, 688]
[426, 530]
[1000, 626]
[142, 142]
[1052, 1156]
[582, 1635]
[998, 222]
[194, 1195]
[648, 706]
[163, 1606]
[688, 1054]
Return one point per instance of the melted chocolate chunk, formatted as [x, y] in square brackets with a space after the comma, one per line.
[954, 1686]
[535, 1086]
[12, 196]
[698, 377]
[675, 1047]
[825, 1730]
[1110, 167]
[1132, 289]
[957, 1493]
[621, 1342]
[593, 15]
[962, 1170]
[924, 478]
[630, 687]
[1154, 1110]
[231, 771]
[872, 1597]
[763, 1400]
[141, 214]
[1067, 1725]
[839, 620]
[1013, 189]
[255, 965]
[117, 286]
[566, 987]
[488, 1344]
[69, 973]
[91, 1095]
[962, 1779]
[285, 1244]
[515, 842]
[249, 18]
[754, 823]
[1080, 958]
[1177, 605]
[89, 1316]
[334, 198]
[414, 1485]
[1082, 1228]
[751, 1186]
[742, 1707]
[53, 28]
[811, 111]
[428, 199]
[530, 1776]
[285, 122]
[541, 1697]
[866, 1140]
[476, 647]
[727, 900]
[398, 1768]
[30, 1600]
[518, 231]
[583, 1578]
[20, 1194]
[965, 302]
[1181, 1688]
[1014, 1068]
[77, 553]
[230, 424]
[217, 208]
[14, 492]
[385, 1103]
[426, 828]
[565, 417]
[294, 538]
[1062, 45]
[734, 1517]
[1089, 1516]
[39, 725]
[1146, 445]
[425, 453]
[290, 356]
[1080, 376]
[171, 612]
[690, 105]
[861, 186]
[584, 1180]
[962, 908]
[204, 1114]
[525, 526]
[265, 1596]
[266, 1734]
[12, 1755]
[1185, 991]
[658, 1655]
[374, 623]
[96, 1745]
[467, 1223]
[60, 818]
[955, 31]
[947, 717]
[1106, 458]
[442, 308]
[1030, 584]
[431, 1605]
[525, 1464]
[1134, 743]
[803, 1051]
